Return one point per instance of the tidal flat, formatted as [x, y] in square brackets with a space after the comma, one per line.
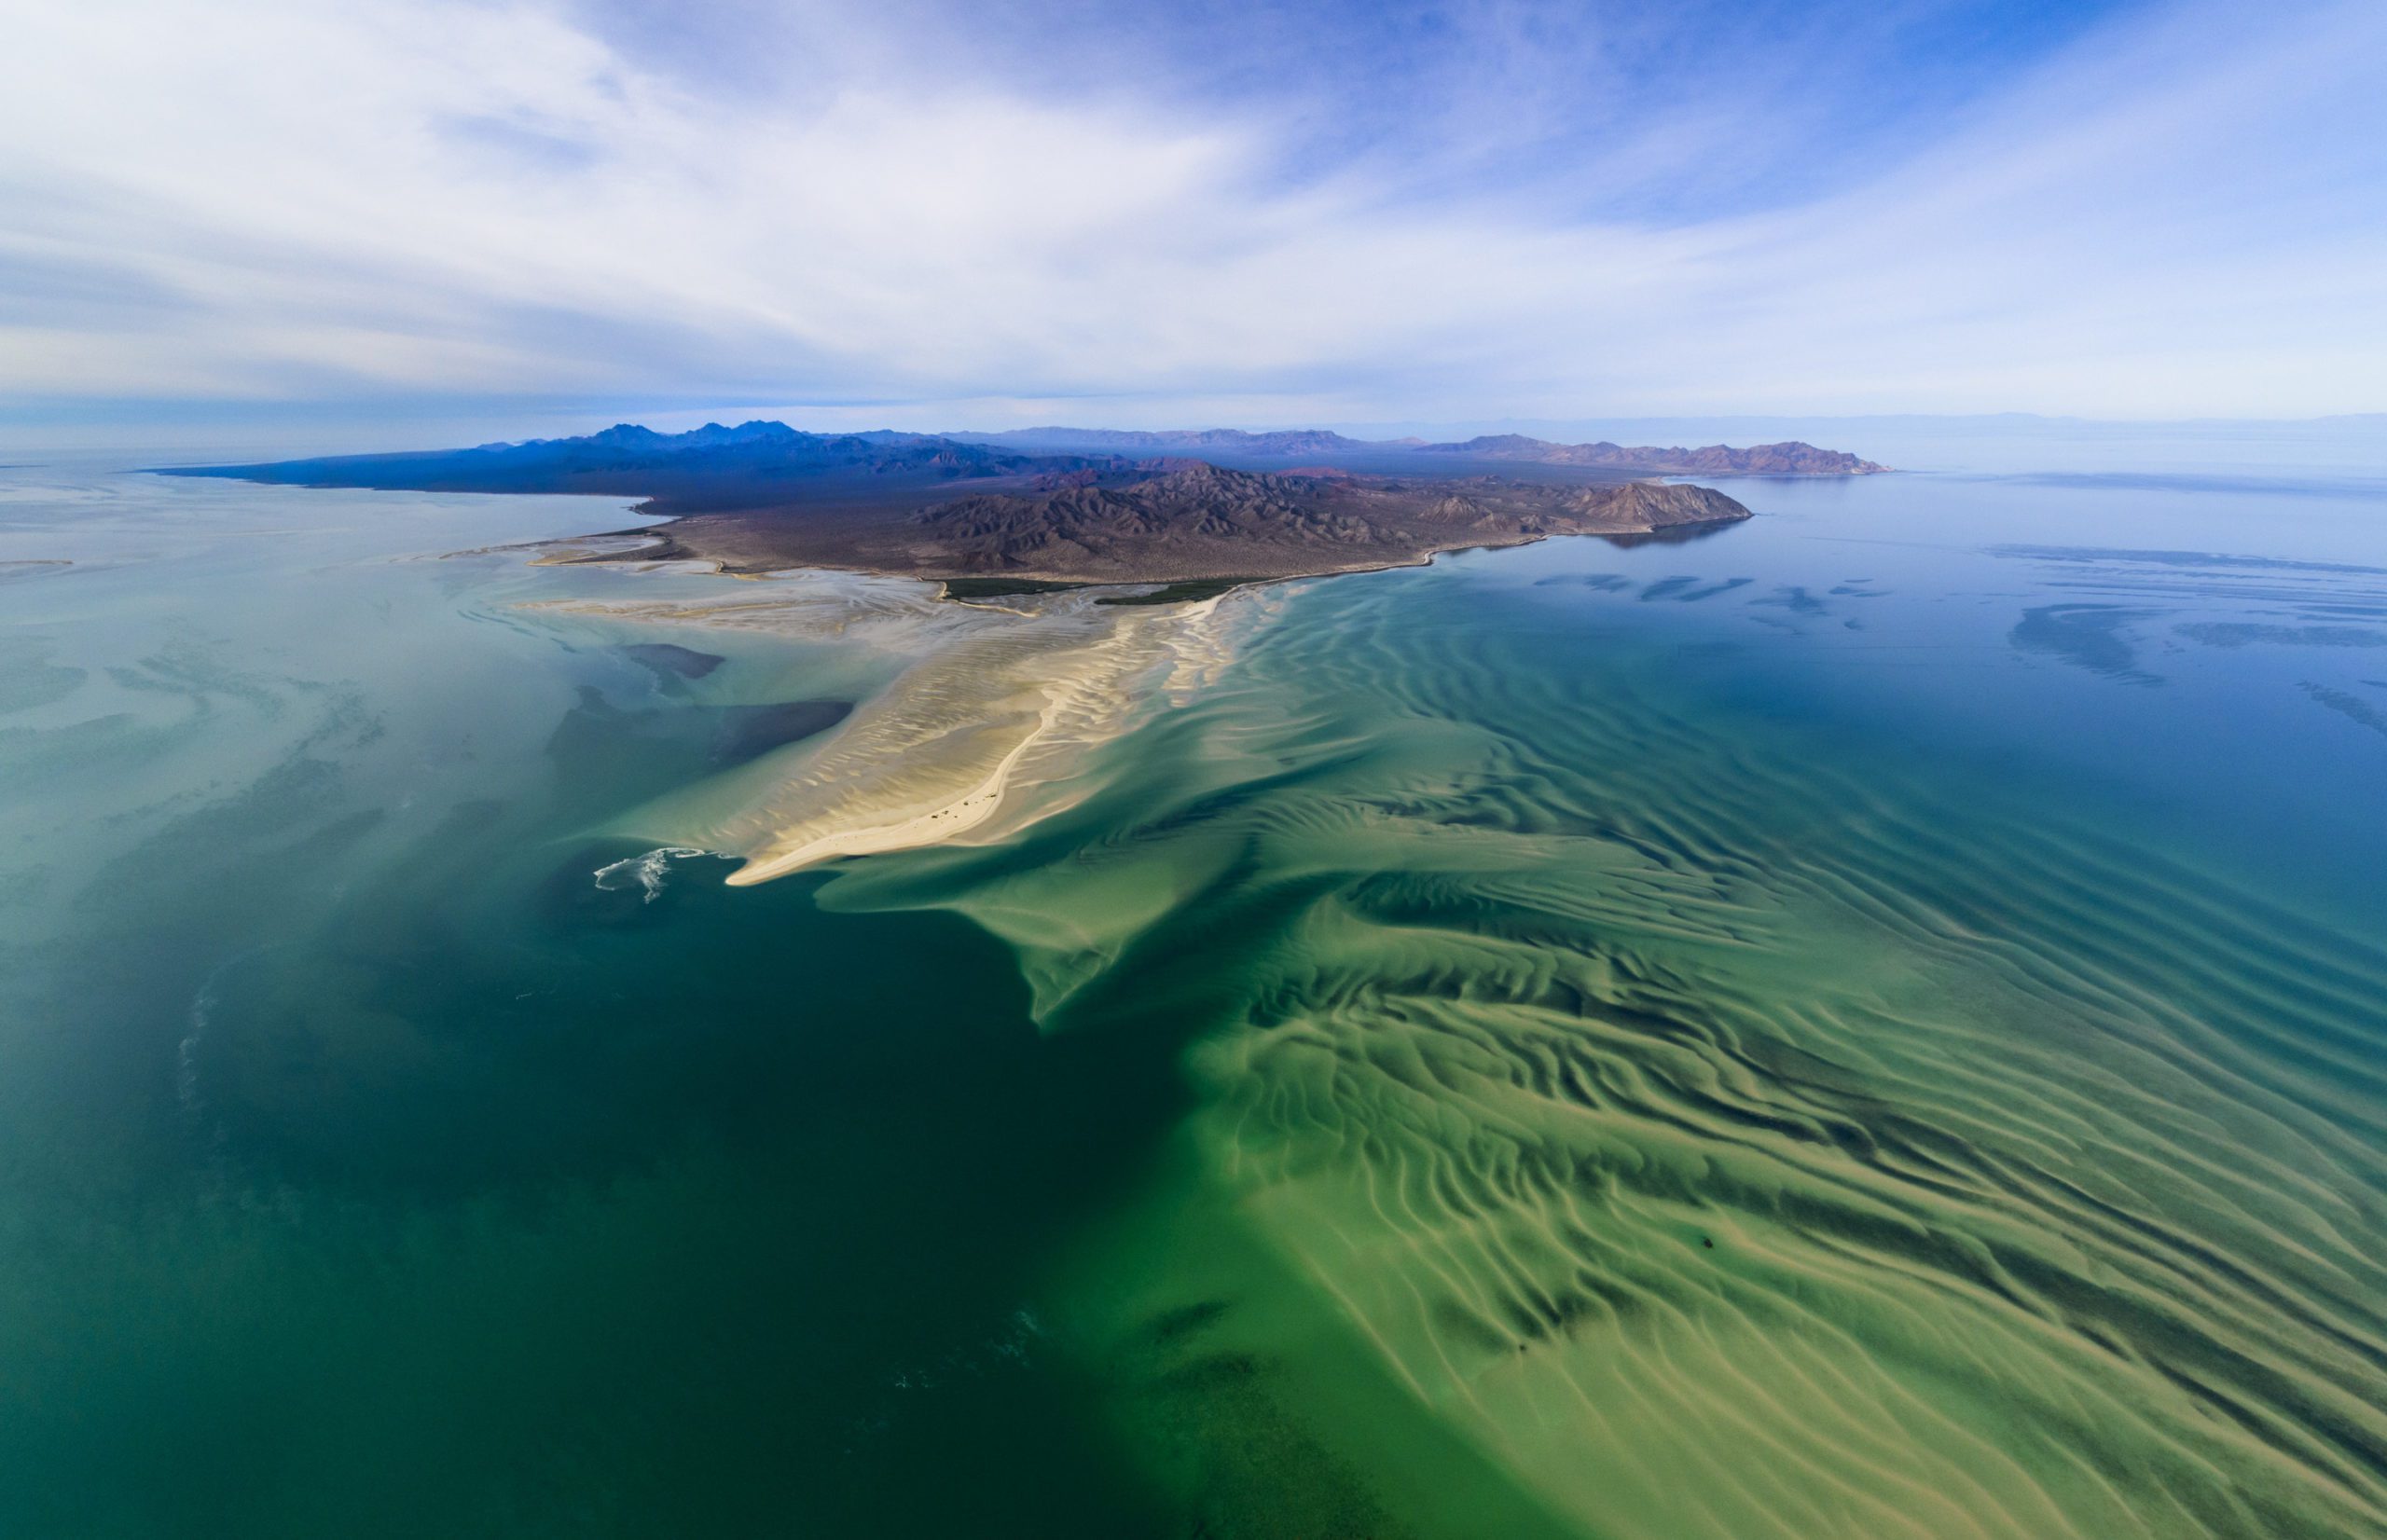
[1866, 1024]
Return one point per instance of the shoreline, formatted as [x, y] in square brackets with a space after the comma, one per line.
[989, 700]
[972, 808]
[671, 542]
[666, 548]
[1078, 648]
[1117, 661]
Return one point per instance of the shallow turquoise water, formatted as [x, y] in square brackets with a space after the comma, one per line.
[370, 1168]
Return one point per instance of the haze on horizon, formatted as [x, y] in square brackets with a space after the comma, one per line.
[937, 215]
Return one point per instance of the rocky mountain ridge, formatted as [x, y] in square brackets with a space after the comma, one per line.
[1235, 441]
[763, 495]
[1210, 521]
[1789, 458]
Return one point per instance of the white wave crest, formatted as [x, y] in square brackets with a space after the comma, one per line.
[648, 872]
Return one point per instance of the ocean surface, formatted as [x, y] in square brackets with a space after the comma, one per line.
[1869, 1024]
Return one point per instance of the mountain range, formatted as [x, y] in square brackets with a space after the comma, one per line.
[1790, 457]
[1175, 441]
[1210, 521]
[1082, 504]
[760, 462]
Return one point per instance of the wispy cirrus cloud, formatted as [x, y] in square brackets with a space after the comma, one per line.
[1562, 211]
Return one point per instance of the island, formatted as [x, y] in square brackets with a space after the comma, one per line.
[1195, 510]
[1076, 575]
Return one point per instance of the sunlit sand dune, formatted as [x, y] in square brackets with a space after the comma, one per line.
[995, 697]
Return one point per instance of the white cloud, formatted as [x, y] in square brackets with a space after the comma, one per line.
[271, 199]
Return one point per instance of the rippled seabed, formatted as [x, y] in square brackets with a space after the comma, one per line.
[1868, 1024]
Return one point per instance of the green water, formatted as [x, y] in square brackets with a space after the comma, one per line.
[1865, 1025]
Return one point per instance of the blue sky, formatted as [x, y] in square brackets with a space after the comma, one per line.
[930, 214]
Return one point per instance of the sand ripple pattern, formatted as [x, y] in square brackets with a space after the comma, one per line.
[1721, 1137]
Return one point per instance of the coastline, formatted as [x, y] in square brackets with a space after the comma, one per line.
[1086, 695]
[992, 691]
[859, 792]
[1189, 528]
[990, 700]
[972, 808]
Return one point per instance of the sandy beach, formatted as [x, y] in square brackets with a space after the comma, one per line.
[972, 808]
[991, 700]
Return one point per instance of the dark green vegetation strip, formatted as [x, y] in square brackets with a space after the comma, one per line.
[1181, 593]
[998, 587]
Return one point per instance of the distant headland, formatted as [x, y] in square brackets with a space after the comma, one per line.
[1789, 459]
